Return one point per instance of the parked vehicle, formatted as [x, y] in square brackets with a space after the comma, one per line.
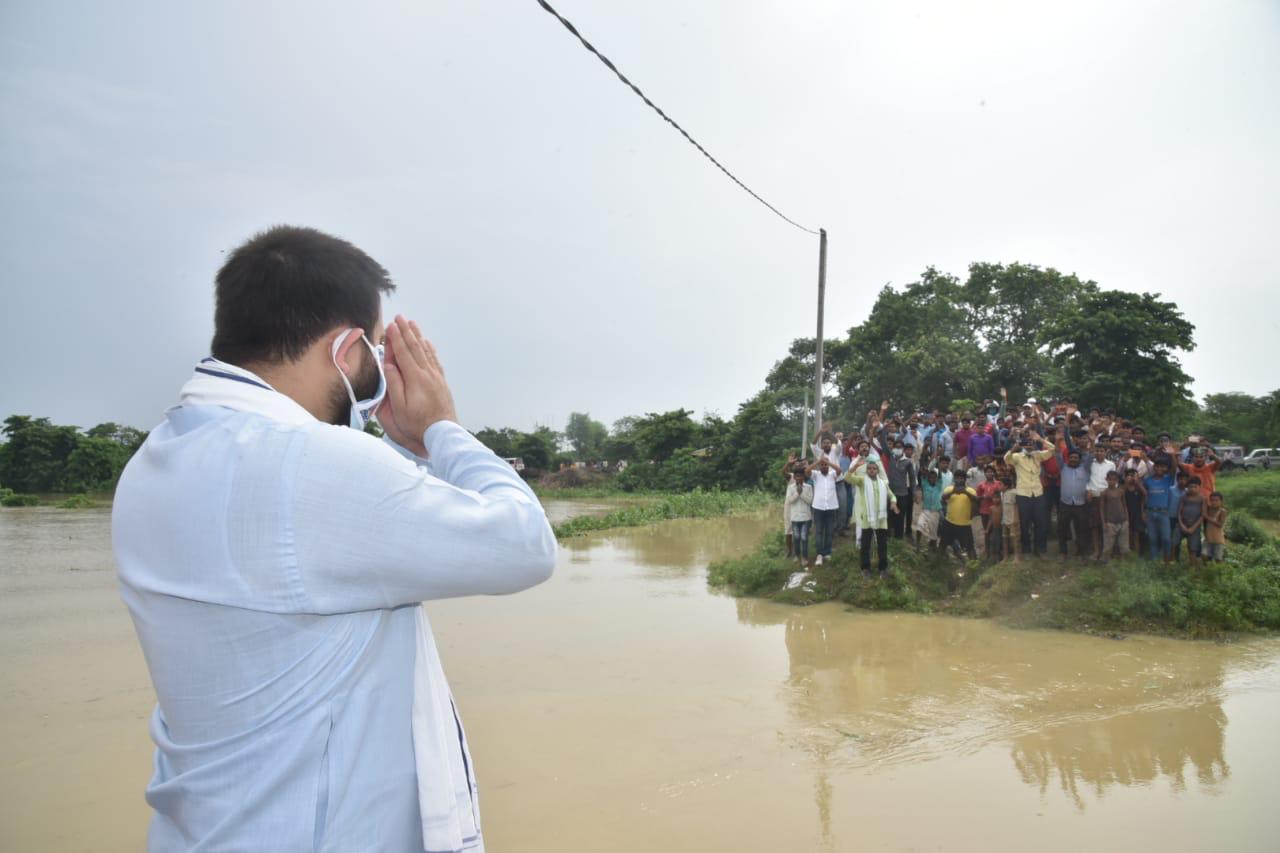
[1232, 456]
[1262, 457]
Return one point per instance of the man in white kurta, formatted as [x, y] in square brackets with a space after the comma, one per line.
[274, 564]
[875, 501]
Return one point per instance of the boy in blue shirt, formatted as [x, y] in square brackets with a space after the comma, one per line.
[1159, 489]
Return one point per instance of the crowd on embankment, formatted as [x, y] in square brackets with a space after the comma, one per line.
[997, 481]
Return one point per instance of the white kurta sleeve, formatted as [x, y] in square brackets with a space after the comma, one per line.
[370, 529]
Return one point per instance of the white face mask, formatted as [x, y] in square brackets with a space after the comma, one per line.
[361, 410]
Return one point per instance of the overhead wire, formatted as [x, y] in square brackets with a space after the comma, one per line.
[609, 64]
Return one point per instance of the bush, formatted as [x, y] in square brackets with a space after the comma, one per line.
[1244, 529]
[761, 572]
[19, 500]
[78, 502]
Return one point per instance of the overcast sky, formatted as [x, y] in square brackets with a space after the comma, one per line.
[566, 249]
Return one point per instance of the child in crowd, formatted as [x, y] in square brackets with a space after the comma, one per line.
[798, 507]
[1009, 516]
[1133, 500]
[1215, 523]
[1115, 518]
[1190, 520]
[1175, 499]
[930, 508]
[990, 509]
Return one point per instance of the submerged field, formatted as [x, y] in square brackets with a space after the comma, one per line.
[650, 508]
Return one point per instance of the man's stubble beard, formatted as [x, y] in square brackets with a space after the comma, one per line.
[365, 385]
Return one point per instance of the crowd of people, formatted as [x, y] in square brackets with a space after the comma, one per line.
[996, 480]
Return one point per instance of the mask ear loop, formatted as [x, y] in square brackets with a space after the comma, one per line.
[333, 355]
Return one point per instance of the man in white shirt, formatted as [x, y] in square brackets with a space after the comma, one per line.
[1099, 467]
[273, 560]
[826, 504]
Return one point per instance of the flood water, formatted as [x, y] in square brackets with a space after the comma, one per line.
[623, 707]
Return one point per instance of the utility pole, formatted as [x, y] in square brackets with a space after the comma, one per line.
[804, 429]
[822, 294]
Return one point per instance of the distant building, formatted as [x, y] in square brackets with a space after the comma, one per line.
[515, 462]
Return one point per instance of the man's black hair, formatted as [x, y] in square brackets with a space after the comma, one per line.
[284, 288]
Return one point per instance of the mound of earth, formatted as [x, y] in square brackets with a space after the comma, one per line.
[573, 478]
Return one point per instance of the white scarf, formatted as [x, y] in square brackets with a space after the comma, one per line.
[875, 498]
[447, 796]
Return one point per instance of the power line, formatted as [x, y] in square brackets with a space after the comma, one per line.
[608, 64]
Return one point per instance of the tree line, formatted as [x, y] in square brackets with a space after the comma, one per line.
[40, 456]
[939, 342]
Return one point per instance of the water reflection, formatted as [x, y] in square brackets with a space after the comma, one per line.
[682, 546]
[1131, 749]
[1079, 713]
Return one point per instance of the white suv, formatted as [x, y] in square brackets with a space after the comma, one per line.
[1262, 457]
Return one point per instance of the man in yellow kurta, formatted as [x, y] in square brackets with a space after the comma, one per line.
[874, 501]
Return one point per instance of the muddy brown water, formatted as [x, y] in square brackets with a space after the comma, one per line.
[623, 707]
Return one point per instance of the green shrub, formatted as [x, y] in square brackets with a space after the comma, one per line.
[12, 499]
[762, 572]
[77, 502]
[1244, 529]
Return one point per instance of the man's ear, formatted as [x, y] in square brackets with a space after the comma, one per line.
[343, 354]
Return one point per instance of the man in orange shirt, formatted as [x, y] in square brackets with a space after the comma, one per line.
[1204, 464]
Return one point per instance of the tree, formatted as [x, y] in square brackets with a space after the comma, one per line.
[1239, 419]
[94, 465]
[918, 347]
[758, 439]
[537, 448]
[35, 453]
[1116, 350]
[658, 436]
[1009, 307]
[585, 436]
[501, 441]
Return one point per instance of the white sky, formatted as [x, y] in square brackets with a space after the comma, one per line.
[565, 248]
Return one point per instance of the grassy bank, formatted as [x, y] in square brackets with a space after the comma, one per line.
[1241, 594]
[657, 507]
[9, 498]
[1254, 492]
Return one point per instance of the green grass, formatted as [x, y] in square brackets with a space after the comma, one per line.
[77, 502]
[662, 507]
[1129, 595]
[1254, 492]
